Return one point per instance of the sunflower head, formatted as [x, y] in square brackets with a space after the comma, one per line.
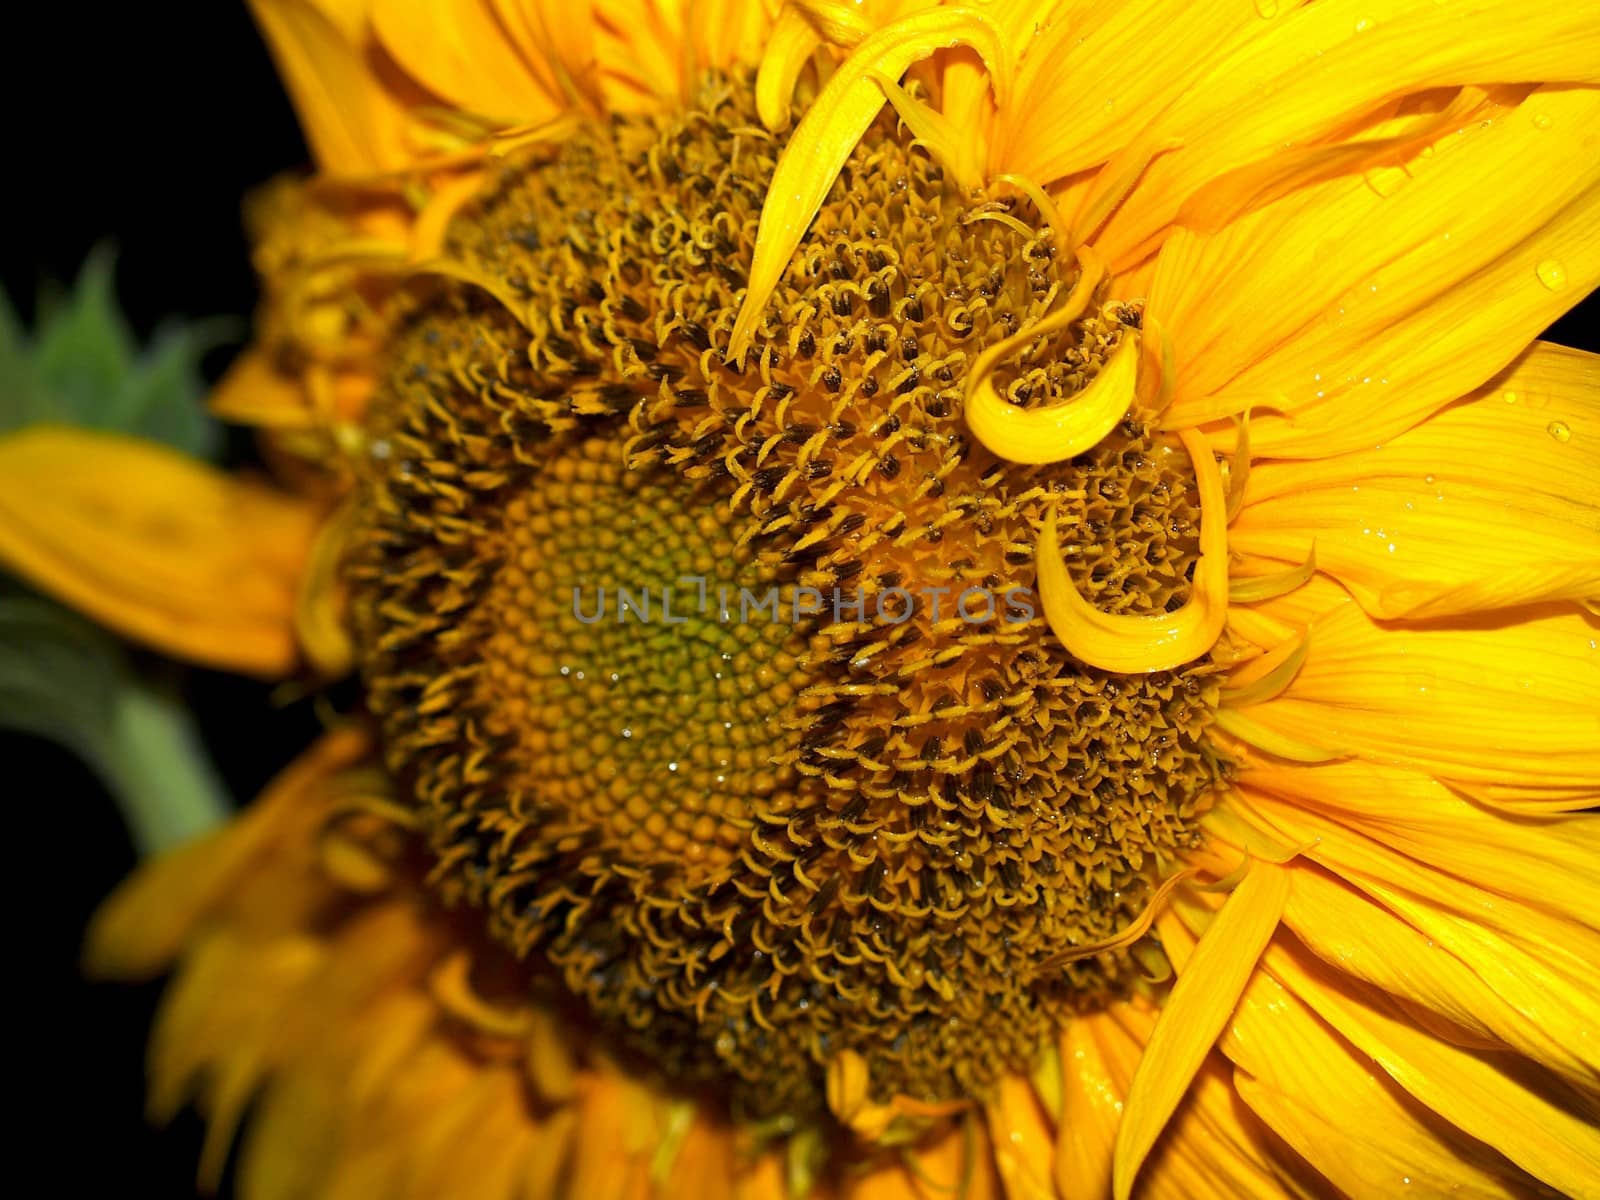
[719, 681]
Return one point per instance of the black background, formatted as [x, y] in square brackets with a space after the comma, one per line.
[146, 130]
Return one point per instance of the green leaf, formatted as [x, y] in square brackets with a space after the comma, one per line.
[161, 399]
[83, 367]
[67, 681]
[83, 349]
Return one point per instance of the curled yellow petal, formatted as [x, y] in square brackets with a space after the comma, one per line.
[1158, 641]
[1055, 432]
[1263, 678]
[950, 147]
[156, 546]
[1251, 589]
[319, 618]
[833, 126]
[1279, 745]
[1131, 933]
[1239, 467]
[790, 44]
[451, 986]
[1196, 1013]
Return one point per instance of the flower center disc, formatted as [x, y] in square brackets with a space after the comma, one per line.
[708, 680]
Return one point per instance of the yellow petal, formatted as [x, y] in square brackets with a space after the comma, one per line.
[155, 545]
[962, 83]
[794, 38]
[1493, 502]
[1552, 864]
[1559, 943]
[320, 622]
[1355, 1126]
[354, 123]
[1215, 1147]
[1309, 75]
[1407, 1157]
[1055, 432]
[1475, 968]
[1157, 642]
[1267, 676]
[460, 52]
[1251, 589]
[1499, 1107]
[949, 144]
[1196, 1012]
[832, 127]
[557, 41]
[1493, 989]
[1093, 76]
[1512, 702]
[1350, 312]
[1211, 1146]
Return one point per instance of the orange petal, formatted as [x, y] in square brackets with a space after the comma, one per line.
[156, 546]
[254, 392]
[1097, 1061]
[145, 923]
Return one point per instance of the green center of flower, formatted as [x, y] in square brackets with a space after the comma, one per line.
[722, 689]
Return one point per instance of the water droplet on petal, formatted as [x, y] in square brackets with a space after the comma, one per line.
[1267, 9]
[1552, 274]
[1541, 120]
[1560, 430]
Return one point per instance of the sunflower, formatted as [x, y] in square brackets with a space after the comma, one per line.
[972, 599]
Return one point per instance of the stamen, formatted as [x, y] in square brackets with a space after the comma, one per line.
[1041, 201]
[858, 831]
